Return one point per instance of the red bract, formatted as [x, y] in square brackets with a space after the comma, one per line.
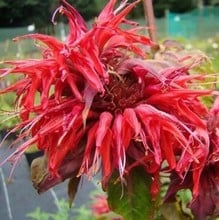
[102, 105]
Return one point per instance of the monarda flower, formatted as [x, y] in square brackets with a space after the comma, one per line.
[100, 208]
[206, 203]
[97, 102]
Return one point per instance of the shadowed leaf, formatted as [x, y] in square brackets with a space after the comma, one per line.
[134, 200]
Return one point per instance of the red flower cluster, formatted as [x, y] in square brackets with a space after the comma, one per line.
[96, 101]
[206, 203]
[100, 208]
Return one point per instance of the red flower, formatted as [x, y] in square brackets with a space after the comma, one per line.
[100, 209]
[206, 202]
[100, 206]
[102, 105]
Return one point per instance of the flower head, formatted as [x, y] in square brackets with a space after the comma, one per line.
[206, 201]
[97, 102]
[100, 205]
[100, 208]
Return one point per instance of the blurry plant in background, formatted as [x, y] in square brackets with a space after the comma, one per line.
[111, 100]
[64, 213]
[8, 117]
[95, 209]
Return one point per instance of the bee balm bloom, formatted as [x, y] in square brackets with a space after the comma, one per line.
[103, 104]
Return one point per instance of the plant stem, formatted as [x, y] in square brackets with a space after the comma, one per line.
[150, 20]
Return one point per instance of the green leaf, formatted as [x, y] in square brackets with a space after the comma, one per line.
[131, 200]
[37, 214]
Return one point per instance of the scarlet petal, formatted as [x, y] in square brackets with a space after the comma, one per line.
[127, 134]
[106, 156]
[77, 24]
[130, 116]
[103, 127]
[88, 159]
[168, 148]
[50, 41]
[120, 158]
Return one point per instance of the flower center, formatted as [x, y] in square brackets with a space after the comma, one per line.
[121, 92]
